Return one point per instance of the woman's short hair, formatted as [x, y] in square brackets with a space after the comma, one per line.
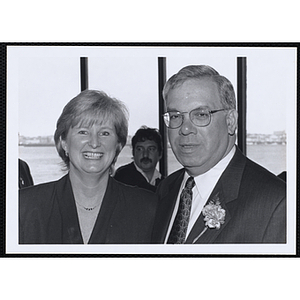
[88, 108]
[225, 87]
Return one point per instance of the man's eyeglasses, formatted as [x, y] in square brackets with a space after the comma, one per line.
[200, 117]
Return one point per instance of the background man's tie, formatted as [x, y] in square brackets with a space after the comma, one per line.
[181, 222]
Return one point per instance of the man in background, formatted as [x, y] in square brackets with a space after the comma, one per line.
[25, 178]
[220, 196]
[147, 151]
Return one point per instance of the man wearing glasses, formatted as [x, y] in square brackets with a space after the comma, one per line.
[220, 196]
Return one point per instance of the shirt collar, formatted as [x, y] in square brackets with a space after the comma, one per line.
[206, 182]
[156, 174]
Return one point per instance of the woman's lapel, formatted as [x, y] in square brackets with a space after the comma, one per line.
[100, 231]
[71, 233]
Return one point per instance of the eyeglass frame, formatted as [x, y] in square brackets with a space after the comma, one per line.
[210, 112]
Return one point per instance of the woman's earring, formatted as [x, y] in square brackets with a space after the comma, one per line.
[66, 152]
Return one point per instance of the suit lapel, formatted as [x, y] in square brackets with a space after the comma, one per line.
[227, 190]
[70, 223]
[166, 206]
[210, 234]
[100, 230]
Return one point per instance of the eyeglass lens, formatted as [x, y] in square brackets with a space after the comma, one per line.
[199, 116]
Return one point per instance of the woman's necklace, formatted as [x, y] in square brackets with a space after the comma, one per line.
[87, 208]
[83, 191]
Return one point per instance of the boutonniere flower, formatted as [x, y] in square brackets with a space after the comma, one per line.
[214, 216]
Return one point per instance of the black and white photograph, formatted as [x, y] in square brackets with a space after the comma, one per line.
[151, 149]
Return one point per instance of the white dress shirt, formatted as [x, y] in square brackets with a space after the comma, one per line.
[204, 185]
[155, 176]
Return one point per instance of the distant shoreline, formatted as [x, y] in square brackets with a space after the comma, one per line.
[37, 145]
[248, 143]
[277, 138]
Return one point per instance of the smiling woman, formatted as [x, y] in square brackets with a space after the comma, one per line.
[91, 149]
[87, 205]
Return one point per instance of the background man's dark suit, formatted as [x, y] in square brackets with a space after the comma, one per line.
[253, 198]
[128, 174]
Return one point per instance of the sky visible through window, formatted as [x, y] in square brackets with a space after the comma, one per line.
[47, 78]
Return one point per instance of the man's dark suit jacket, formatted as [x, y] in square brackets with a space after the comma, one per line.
[254, 200]
[128, 174]
[25, 178]
[48, 215]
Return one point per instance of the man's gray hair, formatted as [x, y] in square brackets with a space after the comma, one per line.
[225, 87]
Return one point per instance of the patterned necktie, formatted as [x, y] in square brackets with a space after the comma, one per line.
[180, 225]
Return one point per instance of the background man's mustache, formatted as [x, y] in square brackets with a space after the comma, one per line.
[145, 159]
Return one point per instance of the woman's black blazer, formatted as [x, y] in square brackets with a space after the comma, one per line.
[48, 215]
